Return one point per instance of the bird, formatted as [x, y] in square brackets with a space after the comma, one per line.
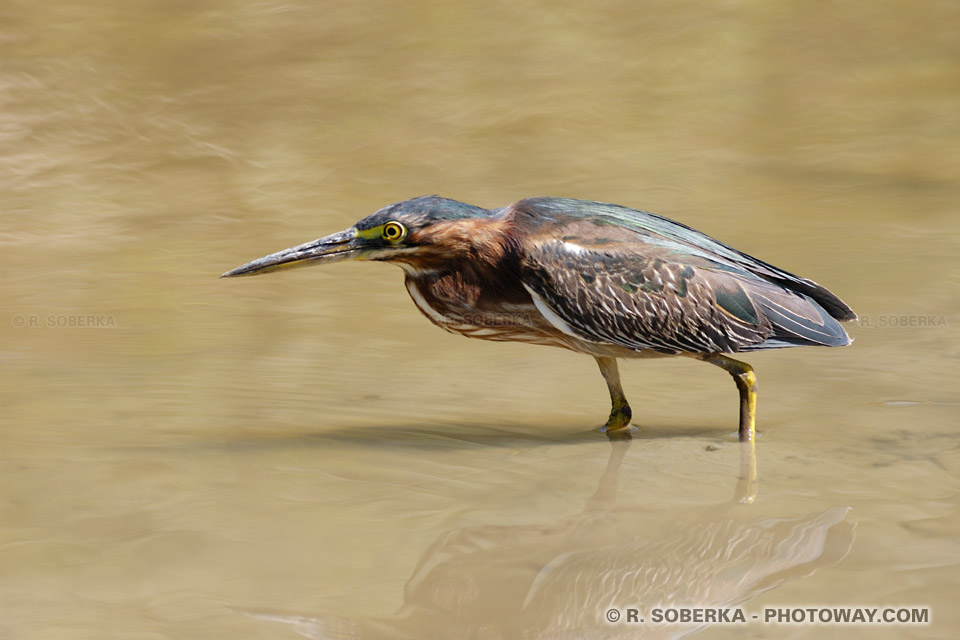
[595, 278]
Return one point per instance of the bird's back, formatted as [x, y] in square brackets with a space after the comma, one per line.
[615, 274]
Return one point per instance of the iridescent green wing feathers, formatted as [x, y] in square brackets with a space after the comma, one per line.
[658, 230]
[634, 287]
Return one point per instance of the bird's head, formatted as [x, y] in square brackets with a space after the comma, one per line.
[418, 232]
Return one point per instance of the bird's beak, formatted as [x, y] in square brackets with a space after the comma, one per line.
[333, 248]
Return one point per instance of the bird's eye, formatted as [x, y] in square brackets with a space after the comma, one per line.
[394, 231]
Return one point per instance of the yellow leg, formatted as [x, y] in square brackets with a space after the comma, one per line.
[620, 412]
[746, 381]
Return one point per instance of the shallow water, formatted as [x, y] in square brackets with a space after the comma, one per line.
[303, 454]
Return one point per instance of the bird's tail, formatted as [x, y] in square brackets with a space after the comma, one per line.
[797, 319]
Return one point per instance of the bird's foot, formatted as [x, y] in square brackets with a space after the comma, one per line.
[619, 419]
[619, 433]
[628, 428]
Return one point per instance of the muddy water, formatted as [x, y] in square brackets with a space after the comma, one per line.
[304, 455]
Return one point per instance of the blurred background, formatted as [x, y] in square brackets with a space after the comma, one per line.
[304, 454]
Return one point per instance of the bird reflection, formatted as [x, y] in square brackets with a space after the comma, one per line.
[558, 580]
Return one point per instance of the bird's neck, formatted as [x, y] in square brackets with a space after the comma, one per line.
[480, 245]
[474, 267]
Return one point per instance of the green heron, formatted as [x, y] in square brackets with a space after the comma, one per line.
[595, 278]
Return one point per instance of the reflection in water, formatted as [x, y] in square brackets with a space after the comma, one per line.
[557, 580]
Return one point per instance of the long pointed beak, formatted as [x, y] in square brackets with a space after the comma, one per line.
[333, 248]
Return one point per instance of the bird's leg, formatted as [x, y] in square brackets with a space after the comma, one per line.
[620, 412]
[746, 381]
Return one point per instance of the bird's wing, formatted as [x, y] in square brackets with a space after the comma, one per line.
[661, 231]
[622, 290]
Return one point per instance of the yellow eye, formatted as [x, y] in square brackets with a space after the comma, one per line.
[394, 231]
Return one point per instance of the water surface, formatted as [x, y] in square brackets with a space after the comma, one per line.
[303, 454]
